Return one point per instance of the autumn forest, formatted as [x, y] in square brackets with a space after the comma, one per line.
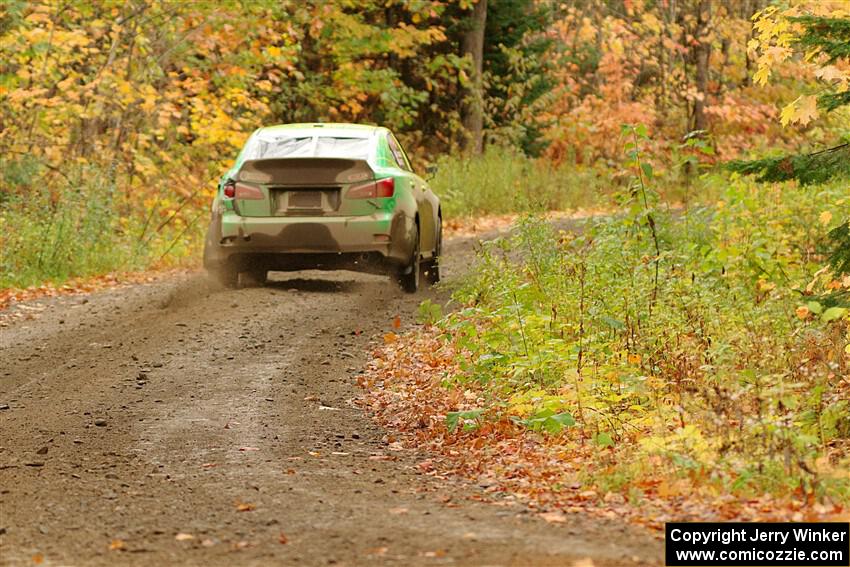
[657, 327]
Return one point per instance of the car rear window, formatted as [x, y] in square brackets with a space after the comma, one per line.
[261, 147]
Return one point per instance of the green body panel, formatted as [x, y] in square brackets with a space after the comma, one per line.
[242, 229]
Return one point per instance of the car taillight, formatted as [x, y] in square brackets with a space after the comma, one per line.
[385, 187]
[233, 190]
[248, 192]
[373, 189]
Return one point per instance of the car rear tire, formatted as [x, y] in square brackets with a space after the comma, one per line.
[432, 266]
[408, 278]
[226, 276]
[253, 278]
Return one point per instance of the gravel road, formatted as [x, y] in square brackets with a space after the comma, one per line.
[177, 423]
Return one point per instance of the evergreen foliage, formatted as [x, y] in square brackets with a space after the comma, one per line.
[840, 257]
[830, 36]
[808, 169]
[519, 73]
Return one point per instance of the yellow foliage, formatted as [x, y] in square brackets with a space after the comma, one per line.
[775, 34]
[802, 111]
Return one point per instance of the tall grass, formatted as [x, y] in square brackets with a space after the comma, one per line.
[82, 224]
[504, 181]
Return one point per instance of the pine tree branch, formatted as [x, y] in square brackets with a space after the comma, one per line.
[808, 169]
[839, 238]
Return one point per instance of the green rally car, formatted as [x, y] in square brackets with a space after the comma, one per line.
[328, 197]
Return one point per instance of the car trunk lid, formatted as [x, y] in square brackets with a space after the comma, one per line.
[303, 187]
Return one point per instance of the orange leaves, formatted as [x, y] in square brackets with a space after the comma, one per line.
[114, 81]
[803, 312]
[77, 286]
[556, 475]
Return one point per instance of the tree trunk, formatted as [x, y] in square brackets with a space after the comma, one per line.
[473, 107]
[702, 53]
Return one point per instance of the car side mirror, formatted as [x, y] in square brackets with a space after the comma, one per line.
[431, 170]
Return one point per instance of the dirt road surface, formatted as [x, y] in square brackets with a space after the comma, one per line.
[178, 423]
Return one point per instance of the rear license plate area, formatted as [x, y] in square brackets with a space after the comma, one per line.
[304, 199]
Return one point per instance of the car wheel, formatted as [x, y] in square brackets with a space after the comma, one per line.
[253, 278]
[226, 276]
[408, 278]
[432, 266]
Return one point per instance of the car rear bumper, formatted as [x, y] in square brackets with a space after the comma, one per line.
[382, 238]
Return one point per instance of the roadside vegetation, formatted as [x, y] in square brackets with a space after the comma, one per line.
[657, 362]
[686, 355]
[88, 227]
[721, 374]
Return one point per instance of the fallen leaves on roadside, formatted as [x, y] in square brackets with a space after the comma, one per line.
[249, 448]
[282, 539]
[390, 338]
[397, 322]
[82, 286]
[38, 558]
[184, 537]
[379, 551]
[405, 392]
[117, 545]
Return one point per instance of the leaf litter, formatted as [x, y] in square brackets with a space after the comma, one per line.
[551, 474]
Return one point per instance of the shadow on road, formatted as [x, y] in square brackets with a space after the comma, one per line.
[315, 285]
